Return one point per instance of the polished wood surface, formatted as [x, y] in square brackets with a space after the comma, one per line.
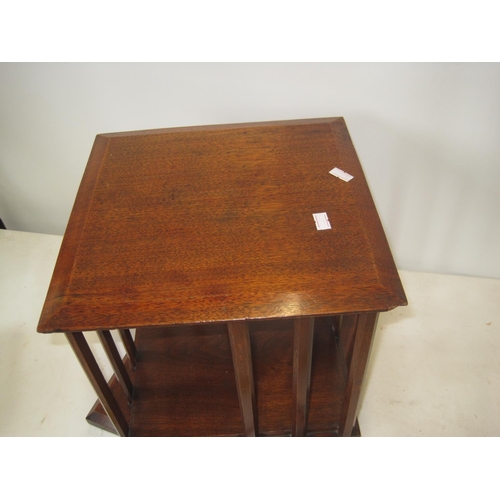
[215, 223]
[249, 320]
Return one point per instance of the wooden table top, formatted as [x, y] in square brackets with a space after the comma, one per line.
[215, 223]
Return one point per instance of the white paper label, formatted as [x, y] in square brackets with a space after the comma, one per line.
[322, 221]
[341, 174]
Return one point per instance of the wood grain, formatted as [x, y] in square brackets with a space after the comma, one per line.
[179, 232]
[183, 226]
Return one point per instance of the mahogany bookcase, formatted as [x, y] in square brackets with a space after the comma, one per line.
[249, 318]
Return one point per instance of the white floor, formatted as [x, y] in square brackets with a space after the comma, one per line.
[434, 368]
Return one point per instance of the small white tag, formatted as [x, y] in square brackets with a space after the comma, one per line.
[322, 221]
[341, 174]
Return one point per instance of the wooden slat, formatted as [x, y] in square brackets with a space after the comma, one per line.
[346, 333]
[128, 343]
[116, 362]
[365, 329]
[303, 335]
[93, 372]
[98, 416]
[336, 322]
[239, 340]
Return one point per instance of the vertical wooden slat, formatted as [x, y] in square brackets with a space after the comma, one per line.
[365, 329]
[336, 322]
[93, 372]
[346, 336]
[116, 362]
[129, 345]
[239, 340]
[303, 335]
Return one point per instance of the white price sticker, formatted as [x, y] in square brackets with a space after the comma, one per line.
[341, 174]
[322, 221]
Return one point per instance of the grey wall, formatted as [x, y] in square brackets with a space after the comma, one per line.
[428, 137]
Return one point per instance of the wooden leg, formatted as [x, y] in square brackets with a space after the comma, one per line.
[365, 328]
[239, 340]
[93, 372]
[303, 333]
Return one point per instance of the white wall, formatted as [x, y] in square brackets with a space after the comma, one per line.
[428, 136]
